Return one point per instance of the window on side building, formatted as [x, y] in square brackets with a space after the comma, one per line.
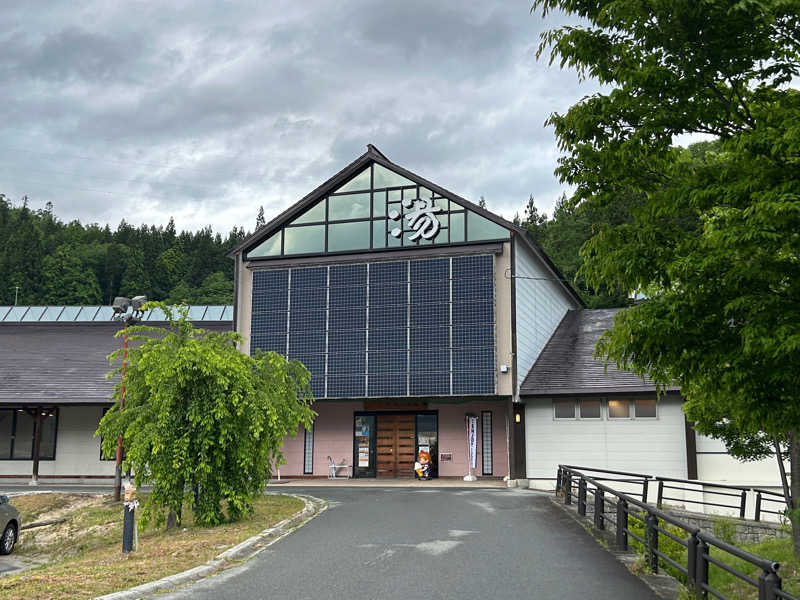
[16, 434]
[564, 409]
[645, 408]
[6, 433]
[619, 409]
[590, 409]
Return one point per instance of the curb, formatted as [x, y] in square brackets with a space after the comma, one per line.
[240, 552]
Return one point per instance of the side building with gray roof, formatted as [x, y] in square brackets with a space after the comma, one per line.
[53, 366]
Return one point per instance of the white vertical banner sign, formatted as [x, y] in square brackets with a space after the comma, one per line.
[472, 445]
[473, 442]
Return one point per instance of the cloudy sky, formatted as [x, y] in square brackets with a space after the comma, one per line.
[206, 111]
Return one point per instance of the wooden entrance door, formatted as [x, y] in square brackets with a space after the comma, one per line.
[395, 445]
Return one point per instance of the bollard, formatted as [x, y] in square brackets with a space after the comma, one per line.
[128, 520]
[691, 559]
[651, 535]
[582, 497]
[768, 582]
[622, 525]
[568, 488]
[599, 508]
[701, 571]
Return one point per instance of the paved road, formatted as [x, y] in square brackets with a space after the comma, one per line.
[412, 543]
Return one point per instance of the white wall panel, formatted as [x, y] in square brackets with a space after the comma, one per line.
[653, 446]
[540, 306]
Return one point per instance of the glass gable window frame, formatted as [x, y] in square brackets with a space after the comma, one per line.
[373, 208]
[17, 428]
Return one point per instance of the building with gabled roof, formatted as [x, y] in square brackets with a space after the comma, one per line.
[428, 324]
[401, 299]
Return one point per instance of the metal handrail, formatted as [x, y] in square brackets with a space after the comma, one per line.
[628, 473]
[716, 485]
[697, 543]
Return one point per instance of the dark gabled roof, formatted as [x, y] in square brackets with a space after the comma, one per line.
[61, 363]
[567, 365]
[373, 155]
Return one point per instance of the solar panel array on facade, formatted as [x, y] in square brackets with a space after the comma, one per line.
[395, 328]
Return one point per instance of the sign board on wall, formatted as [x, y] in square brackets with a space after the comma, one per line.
[472, 435]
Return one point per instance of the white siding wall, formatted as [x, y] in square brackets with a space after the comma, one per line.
[655, 446]
[715, 464]
[77, 450]
[541, 305]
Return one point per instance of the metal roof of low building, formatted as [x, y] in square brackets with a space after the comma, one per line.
[567, 365]
[84, 314]
[62, 362]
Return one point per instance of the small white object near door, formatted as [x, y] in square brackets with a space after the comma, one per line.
[333, 467]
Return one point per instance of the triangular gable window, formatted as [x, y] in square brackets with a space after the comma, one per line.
[374, 210]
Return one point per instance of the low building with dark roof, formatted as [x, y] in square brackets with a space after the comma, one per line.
[53, 366]
[582, 411]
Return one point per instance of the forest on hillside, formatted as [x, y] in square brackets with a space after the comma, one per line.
[45, 261]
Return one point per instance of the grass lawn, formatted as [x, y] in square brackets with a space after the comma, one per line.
[778, 549]
[84, 557]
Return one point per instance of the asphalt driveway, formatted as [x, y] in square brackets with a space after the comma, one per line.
[409, 543]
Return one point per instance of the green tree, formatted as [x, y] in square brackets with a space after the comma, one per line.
[135, 278]
[203, 423]
[66, 280]
[715, 241]
[182, 293]
[216, 289]
[563, 236]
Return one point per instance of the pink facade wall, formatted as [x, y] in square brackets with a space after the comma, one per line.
[453, 437]
[333, 436]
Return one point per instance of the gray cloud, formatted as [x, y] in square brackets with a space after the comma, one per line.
[205, 111]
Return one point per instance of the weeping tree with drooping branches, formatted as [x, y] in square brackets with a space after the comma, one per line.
[203, 423]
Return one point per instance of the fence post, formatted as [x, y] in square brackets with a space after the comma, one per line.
[743, 504]
[599, 508]
[651, 535]
[701, 571]
[758, 506]
[568, 489]
[660, 498]
[622, 524]
[558, 480]
[768, 582]
[582, 497]
[691, 560]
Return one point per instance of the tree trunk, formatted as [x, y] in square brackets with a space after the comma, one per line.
[794, 466]
[172, 520]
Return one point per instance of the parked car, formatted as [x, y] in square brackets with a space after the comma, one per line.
[9, 525]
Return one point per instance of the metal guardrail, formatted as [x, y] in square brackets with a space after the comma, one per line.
[574, 483]
[718, 495]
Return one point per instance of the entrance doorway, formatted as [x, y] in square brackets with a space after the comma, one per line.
[386, 444]
[396, 445]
